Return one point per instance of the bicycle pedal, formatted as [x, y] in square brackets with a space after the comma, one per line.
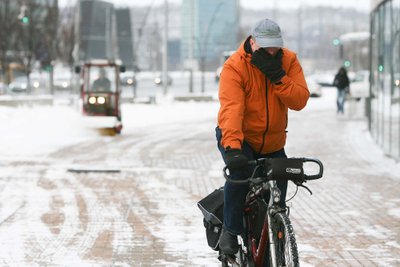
[231, 259]
[228, 258]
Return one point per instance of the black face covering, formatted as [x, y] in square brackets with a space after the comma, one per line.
[270, 65]
[247, 46]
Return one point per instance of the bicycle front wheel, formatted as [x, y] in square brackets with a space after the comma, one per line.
[286, 252]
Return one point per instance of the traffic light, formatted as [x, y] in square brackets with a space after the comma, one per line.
[336, 42]
[25, 19]
[23, 16]
[347, 63]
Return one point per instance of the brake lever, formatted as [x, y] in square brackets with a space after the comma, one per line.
[308, 189]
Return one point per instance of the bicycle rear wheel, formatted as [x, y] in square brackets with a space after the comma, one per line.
[285, 241]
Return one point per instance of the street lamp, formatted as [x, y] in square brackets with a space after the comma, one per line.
[203, 48]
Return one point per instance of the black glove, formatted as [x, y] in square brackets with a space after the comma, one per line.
[235, 159]
[271, 66]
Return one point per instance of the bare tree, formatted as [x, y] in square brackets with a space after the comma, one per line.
[8, 19]
[65, 35]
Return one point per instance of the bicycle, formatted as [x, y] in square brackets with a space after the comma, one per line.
[268, 237]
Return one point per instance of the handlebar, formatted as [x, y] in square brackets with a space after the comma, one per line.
[321, 169]
[280, 169]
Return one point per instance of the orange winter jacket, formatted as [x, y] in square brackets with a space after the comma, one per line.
[254, 109]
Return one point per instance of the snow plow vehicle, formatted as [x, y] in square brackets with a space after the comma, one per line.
[100, 89]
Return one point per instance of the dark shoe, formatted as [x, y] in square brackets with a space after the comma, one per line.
[228, 243]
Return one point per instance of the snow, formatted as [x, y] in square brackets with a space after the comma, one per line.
[37, 131]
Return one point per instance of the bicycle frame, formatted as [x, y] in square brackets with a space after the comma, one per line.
[275, 169]
[266, 237]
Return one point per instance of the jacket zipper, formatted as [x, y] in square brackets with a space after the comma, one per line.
[266, 129]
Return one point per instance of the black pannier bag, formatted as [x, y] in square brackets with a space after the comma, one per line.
[287, 168]
[212, 207]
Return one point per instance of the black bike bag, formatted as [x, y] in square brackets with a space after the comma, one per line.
[286, 169]
[212, 207]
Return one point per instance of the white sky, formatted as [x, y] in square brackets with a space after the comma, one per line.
[254, 4]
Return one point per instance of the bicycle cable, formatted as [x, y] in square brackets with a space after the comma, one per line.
[295, 193]
[297, 189]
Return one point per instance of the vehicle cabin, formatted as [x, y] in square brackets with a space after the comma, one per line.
[101, 88]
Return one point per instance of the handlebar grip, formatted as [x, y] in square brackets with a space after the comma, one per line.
[231, 180]
[321, 169]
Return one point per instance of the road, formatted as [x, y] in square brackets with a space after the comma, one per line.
[180, 84]
[130, 200]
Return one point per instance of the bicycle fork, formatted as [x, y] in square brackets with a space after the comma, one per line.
[274, 200]
[272, 247]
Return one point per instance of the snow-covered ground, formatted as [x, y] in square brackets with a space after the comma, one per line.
[44, 137]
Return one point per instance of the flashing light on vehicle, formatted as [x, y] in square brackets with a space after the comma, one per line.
[92, 100]
[101, 100]
[129, 81]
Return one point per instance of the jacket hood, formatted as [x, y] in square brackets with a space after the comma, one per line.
[245, 49]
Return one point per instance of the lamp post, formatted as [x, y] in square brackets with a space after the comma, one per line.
[165, 51]
[203, 48]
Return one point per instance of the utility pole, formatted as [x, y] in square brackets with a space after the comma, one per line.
[203, 53]
[300, 31]
[165, 51]
[191, 39]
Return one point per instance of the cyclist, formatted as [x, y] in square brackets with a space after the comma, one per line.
[258, 84]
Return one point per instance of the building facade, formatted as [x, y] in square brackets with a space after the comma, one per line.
[125, 38]
[384, 108]
[209, 27]
[96, 35]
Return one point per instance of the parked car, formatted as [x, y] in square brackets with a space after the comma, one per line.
[128, 78]
[314, 88]
[158, 80]
[323, 78]
[39, 81]
[62, 81]
[2, 88]
[19, 85]
[359, 84]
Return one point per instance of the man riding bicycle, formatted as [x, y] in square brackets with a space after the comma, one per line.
[258, 84]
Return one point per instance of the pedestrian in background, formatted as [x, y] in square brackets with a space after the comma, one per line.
[342, 84]
[258, 84]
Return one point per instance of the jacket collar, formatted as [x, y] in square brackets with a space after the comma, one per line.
[245, 49]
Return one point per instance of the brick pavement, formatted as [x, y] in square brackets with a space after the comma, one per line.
[146, 215]
[352, 218]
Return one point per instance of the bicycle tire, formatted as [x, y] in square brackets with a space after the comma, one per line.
[285, 241]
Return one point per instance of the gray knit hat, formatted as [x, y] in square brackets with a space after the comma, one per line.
[267, 34]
